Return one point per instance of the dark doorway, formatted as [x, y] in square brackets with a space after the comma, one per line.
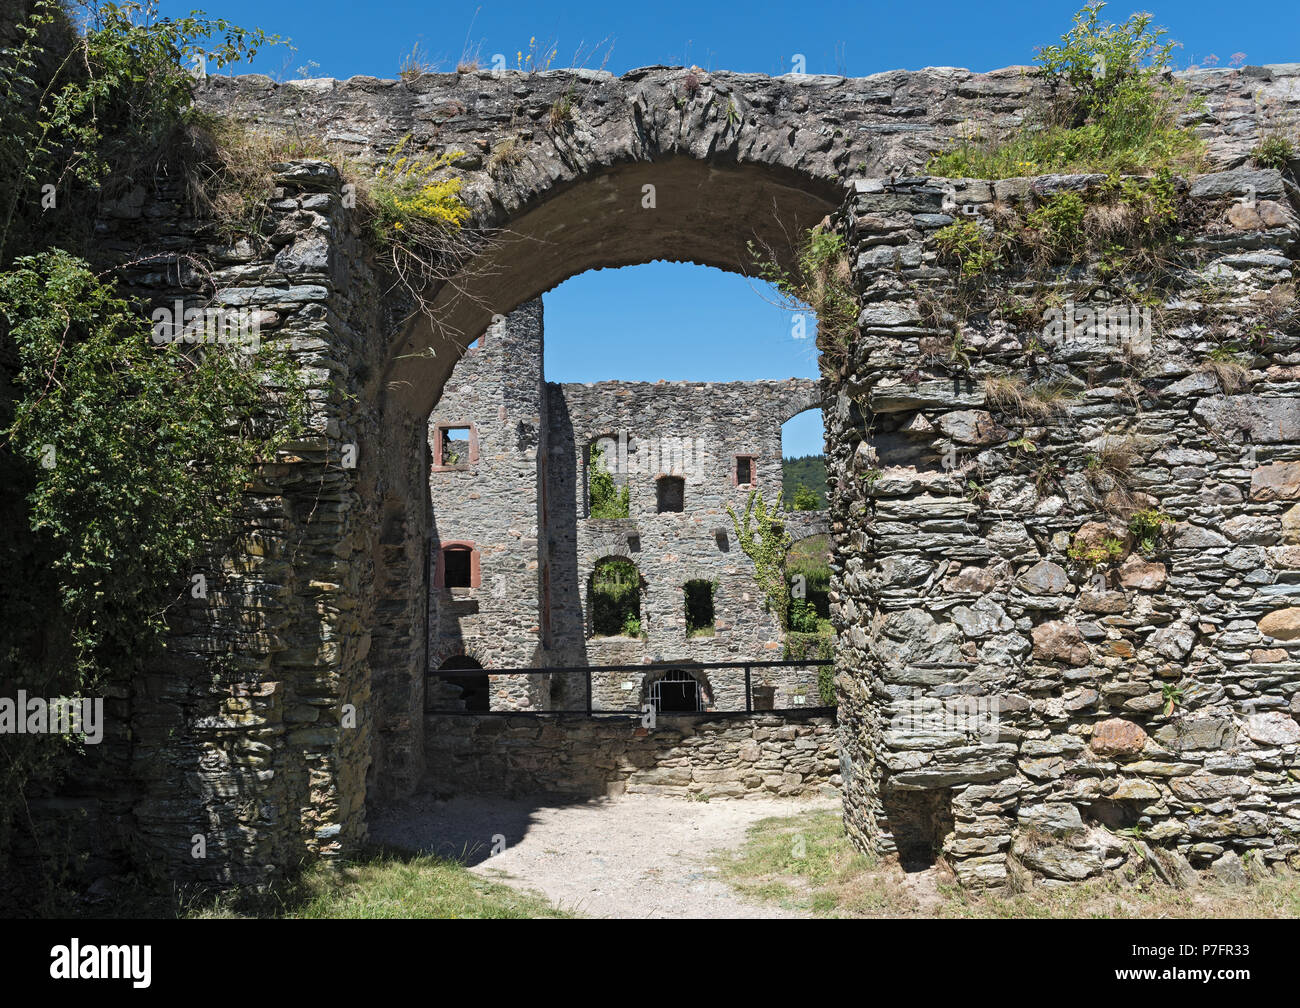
[473, 682]
[676, 693]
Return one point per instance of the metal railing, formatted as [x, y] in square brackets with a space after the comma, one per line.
[586, 671]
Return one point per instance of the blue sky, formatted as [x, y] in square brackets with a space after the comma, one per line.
[687, 322]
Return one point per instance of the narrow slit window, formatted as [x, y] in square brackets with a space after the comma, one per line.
[746, 470]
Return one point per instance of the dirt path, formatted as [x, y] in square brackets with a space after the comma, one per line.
[635, 856]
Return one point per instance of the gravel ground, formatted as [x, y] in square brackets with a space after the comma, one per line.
[634, 856]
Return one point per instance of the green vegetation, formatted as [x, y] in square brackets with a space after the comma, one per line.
[821, 281]
[393, 885]
[1112, 109]
[762, 537]
[125, 452]
[1059, 223]
[805, 499]
[809, 632]
[806, 863]
[92, 114]
[606, 499]
[1108, 551]
[803, 482]
[970, 246]
[409, 198]
[1149, 527]
[1274, 151]
[616, 599]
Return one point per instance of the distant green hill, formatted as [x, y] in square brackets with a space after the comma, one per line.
[810, 470]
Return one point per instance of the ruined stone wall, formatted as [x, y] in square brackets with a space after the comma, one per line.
[684, 755]
[292, 695]
[493, 499]
[252, 731]
[532, 606]
[648, 431]
[1002, 700]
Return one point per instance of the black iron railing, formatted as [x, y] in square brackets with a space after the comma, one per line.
[587, 671]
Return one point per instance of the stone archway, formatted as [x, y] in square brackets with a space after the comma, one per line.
[937, 590]
[706, 210]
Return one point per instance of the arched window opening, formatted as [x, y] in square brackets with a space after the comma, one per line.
[615, 599]
[466, 674]
[803, 464]
[677, 691]
[671, 494]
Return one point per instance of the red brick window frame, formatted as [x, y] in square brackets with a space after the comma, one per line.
[457, 566]
[439, 463]
[753, 470]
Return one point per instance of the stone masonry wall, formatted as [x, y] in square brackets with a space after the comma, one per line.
[684, 755]
[293, 696]
[531, 607]
[1020, 706]
[649, 430]
[494, 500]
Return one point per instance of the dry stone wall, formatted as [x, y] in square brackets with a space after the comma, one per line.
[683, 755]
[1022, 702]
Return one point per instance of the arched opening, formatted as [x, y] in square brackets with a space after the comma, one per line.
[710, 213]
[677, 691]
[458, 566]
[464, 673]
[615, 599]
[707, 213]
[803, 462]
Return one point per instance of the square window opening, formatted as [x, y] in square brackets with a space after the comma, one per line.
[456, 567]
[455, 444]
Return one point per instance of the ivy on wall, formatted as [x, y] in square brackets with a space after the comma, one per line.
[763, 538]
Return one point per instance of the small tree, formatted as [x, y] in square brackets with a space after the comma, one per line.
[805, 498]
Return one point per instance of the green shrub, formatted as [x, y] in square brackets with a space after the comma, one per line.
[969, 246]
[149, 447]
[1273, 151]
[762, 537]
[1112, 111]
[606, 498]
[805, 499]
[616, 599]
[1059, 223]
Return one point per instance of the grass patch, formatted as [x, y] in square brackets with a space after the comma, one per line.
[394, 885]
[806, 863]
